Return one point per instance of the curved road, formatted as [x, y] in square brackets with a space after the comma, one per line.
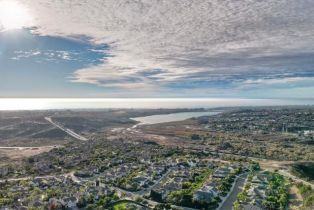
[232, 197]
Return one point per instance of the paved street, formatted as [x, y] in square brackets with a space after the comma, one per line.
[68, 131]
[239, 184]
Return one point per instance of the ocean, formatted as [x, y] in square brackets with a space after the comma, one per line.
[137, 103]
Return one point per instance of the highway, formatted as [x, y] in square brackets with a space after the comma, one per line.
[68, 131]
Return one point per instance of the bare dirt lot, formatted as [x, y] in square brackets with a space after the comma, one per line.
[296, 199]
[17, 153]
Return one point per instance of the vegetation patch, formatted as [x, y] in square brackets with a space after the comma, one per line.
[269, 194]
[308, 196]
[304, 171]
[184, 197]
[120, 206]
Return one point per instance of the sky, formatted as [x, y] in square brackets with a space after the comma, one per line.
[157, 48]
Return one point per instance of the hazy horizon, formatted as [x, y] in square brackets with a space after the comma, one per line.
[146, 103]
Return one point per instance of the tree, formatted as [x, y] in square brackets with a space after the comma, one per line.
[81, 202]
[242, 197]
[283, 200]
[91, 207]
[186, 185]
[309, 201]
[195, 137]
[138, 199]
[236, 206]
[5, 201]
[162, 207]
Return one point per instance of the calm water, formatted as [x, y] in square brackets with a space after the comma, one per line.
[164, 118]
[39, 104]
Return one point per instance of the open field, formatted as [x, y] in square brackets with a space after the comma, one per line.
[30, 128]
[18, 153]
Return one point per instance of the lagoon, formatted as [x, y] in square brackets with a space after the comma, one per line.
[165, 118]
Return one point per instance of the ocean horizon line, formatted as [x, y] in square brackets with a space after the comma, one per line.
[109, 103]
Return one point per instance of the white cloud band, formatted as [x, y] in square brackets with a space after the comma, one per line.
[162, 43]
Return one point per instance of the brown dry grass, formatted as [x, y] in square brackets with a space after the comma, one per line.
[295, 199]
[20, 153]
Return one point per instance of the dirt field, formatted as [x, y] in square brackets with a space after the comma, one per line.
[279, 165]
[20, 153]
[295, 198]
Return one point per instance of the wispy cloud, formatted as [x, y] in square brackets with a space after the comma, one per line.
[191, 44]
[45, 55]
[285, 82]
[278, 81]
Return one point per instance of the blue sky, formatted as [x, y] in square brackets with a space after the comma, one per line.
[179, 48]
[40, 66]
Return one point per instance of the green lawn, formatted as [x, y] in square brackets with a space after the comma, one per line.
[120, 206]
